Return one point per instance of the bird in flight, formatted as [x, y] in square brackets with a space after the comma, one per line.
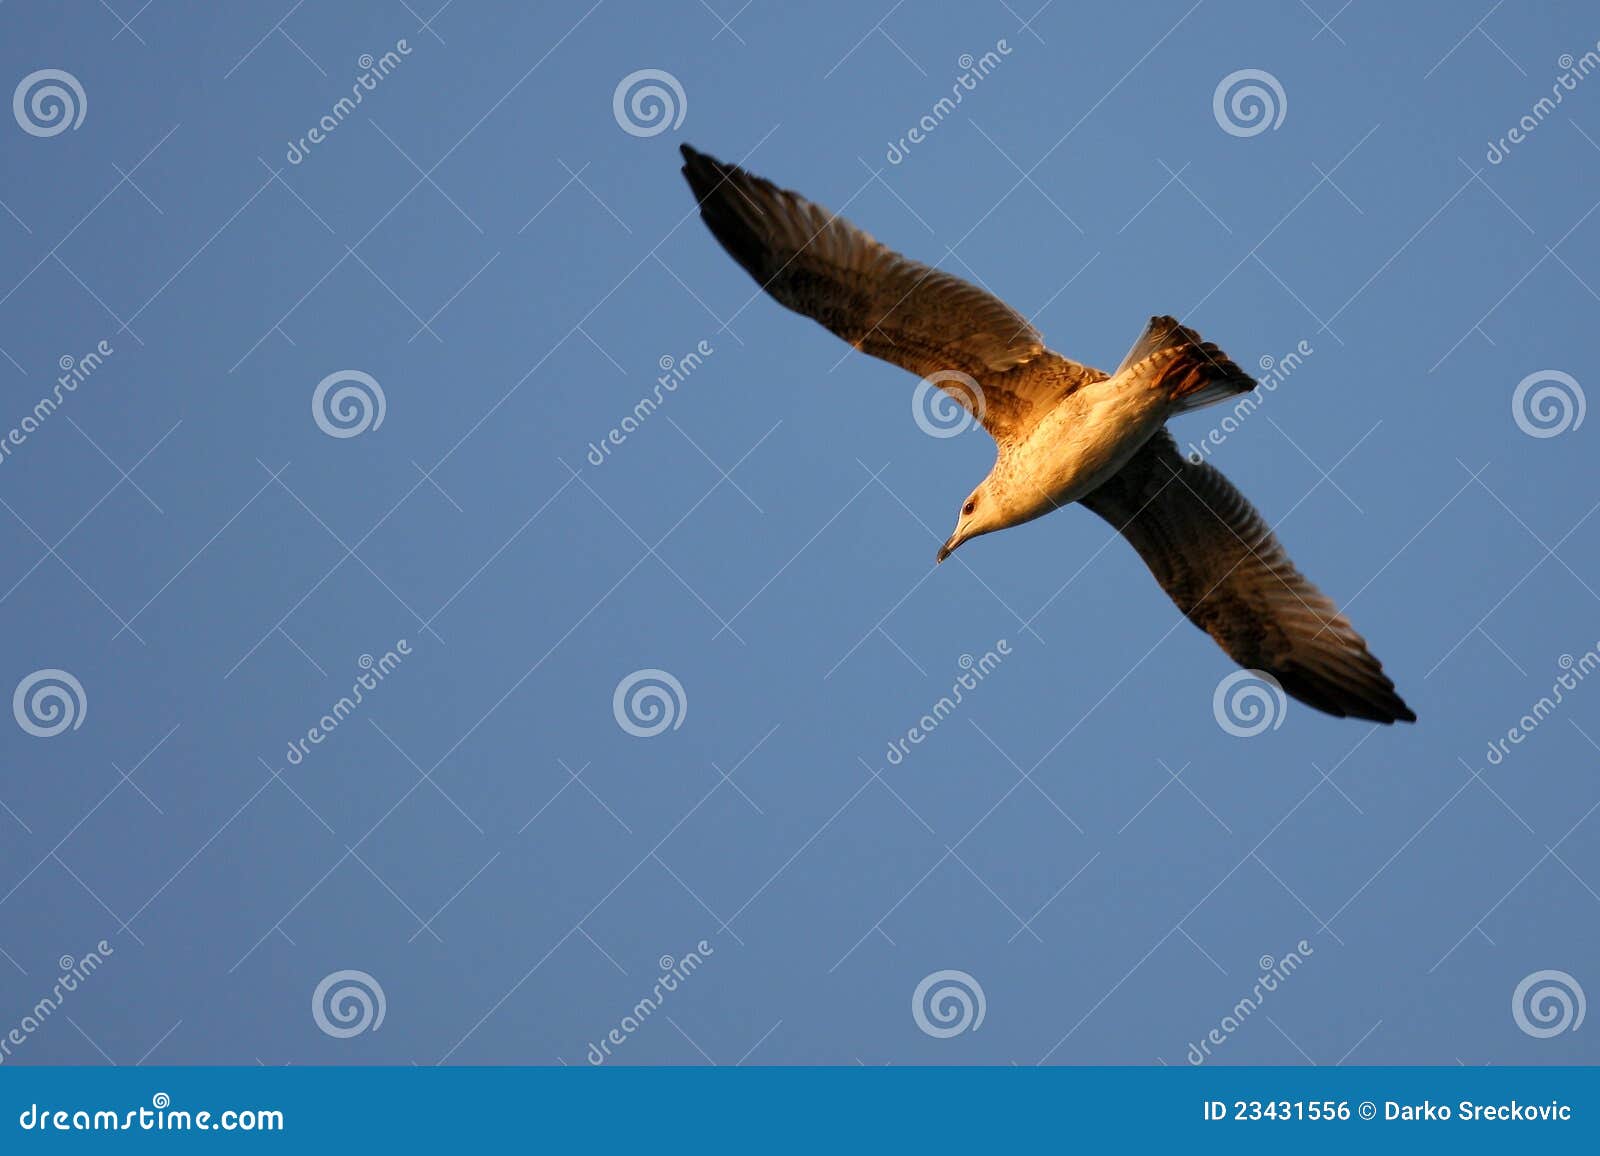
[1065, 432]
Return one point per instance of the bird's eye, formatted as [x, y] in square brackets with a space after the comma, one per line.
[969, 507]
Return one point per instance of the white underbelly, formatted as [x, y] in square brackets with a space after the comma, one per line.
[1074, 452]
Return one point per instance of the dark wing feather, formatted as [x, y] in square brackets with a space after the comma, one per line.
[1219, 561]
[912, 315]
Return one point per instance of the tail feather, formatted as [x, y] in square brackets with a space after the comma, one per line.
[1191, 370]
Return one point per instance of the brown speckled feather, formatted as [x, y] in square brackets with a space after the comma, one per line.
[1218, 560]
[910, 314]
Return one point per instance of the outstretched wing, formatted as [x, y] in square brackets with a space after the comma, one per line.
[819, 264]
[1218, 560]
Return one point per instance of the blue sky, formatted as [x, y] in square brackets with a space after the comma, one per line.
[485, 242]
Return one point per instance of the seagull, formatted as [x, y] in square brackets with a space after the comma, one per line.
[1064, 432]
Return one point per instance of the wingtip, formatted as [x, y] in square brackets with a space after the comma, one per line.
[1370, 697]
[1383, 703]
[1391, 714]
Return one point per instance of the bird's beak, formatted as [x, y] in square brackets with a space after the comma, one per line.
[947, 549]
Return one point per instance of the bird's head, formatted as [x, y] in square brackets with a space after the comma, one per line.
[980, 513]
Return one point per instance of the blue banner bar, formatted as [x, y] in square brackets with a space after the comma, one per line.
[810, 1109]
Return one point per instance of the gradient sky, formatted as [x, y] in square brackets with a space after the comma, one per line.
[482, 237]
